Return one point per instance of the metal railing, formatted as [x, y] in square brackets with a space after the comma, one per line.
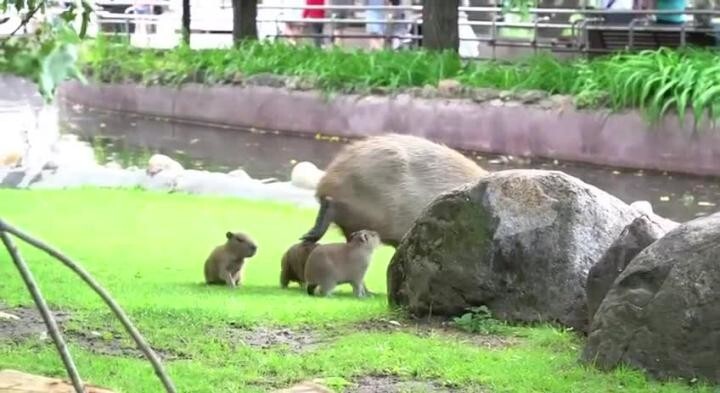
[402, 24]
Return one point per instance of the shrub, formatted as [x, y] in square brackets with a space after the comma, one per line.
[655, 81]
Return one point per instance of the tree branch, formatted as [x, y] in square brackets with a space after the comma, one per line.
[137, 337]
[44, 311]
[27, 18]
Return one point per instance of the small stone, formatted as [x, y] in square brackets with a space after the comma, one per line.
[379, 90]
[160, 162]
[292, 83]
[305, 84]
[12, 178]
[502, 160]
[95, 334]
[415, 91]
[428, 92]
[497, 102]
[483, 94]
[506, 95]
[305, 387]
[546, 104]
[236, 78]
[449, 87]
[306, 175]
[8, 316]
[266, 79]
[10, 159]
[531, 96]
[240, 173]
[561, 101]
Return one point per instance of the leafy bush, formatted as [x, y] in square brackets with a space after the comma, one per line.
[654, 81]
[480, 320]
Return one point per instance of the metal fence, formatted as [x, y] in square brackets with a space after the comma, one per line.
[484, 31]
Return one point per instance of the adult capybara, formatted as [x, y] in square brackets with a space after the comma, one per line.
[383, 182]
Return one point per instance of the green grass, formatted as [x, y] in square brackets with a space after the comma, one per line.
[148, 249]
[654, 81]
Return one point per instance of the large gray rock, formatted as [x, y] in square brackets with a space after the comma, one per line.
[519, 241]
[661, 314]
[639, 234]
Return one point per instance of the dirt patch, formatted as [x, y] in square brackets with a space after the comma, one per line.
[435, 327]
[25, 323]
[297, 340]
[117, 344]
[393, 384]
[20, 324]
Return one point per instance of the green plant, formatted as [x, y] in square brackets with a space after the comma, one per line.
[147, 249]
[667, 79]
[657, 82]
[480, 320]
[48, 56]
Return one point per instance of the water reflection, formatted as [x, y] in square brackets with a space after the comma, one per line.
[131, 139]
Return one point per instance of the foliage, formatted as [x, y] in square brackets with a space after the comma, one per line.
[665, 79]
[48, 55]
[148, 250]
[656, 81]
[480, 320]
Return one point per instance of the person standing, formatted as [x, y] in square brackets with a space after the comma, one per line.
[339, 15]
[316, 28]
[375, 30]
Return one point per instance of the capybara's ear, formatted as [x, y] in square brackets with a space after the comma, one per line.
[229, 235]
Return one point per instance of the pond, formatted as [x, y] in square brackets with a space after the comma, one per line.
[130, 140]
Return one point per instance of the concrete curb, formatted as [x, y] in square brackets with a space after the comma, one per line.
[506, 127]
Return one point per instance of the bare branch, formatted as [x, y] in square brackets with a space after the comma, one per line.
[137, 337]
[44, 311]
[27, 18]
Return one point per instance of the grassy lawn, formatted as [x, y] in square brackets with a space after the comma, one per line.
[148, 250]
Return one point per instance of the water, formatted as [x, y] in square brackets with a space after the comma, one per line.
[130, 140]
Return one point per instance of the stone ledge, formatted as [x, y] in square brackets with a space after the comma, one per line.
[501, 125]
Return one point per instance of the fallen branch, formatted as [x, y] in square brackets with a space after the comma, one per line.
[137, 337]
[44, 311]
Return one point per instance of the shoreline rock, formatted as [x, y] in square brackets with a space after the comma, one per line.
[520, 242]
[68, 166]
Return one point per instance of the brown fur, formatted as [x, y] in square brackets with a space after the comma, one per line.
[225, 263]
[339, 263]
[383, 183]
[292, 267]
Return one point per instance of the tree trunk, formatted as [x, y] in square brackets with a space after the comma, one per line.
[186, 21]
[244, 20]
[440, 24]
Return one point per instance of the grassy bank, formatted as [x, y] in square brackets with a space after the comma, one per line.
[148, 249]
[654, 81]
